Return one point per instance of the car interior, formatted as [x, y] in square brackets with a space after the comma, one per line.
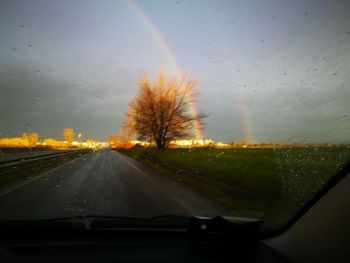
[174, 131]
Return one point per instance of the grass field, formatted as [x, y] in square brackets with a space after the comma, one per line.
[274, 181]
[4, 150]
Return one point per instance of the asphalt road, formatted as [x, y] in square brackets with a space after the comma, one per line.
[104, 183]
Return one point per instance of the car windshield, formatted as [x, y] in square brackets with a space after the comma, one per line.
[148, 108]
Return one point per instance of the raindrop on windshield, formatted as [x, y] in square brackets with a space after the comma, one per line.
[342, 117]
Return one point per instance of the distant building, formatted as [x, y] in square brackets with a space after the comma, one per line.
[191, 142]
[221, 144]
[143, 143]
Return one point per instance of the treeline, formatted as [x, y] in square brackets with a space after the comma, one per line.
[31, 140]
[27, 140]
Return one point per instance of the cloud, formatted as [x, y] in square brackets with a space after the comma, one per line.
[48, 104]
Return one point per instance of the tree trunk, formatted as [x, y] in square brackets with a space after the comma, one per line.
[160, 144]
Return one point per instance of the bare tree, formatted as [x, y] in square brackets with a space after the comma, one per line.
[160, 111]
[30, 139]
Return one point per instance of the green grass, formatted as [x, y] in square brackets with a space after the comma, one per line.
[280, 180]
[16, 173]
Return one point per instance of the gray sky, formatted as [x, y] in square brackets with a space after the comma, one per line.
[268, 70]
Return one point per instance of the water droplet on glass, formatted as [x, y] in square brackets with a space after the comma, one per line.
[342, 117]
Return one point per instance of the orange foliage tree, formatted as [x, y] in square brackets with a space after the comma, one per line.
[30, 139]
[68, 135]
[160, 111]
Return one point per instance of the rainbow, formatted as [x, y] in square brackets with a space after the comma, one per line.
[243, 116]
[170, 57]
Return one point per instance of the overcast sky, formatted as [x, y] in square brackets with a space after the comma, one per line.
[268, 70]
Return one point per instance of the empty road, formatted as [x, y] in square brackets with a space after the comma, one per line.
[104, 183]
